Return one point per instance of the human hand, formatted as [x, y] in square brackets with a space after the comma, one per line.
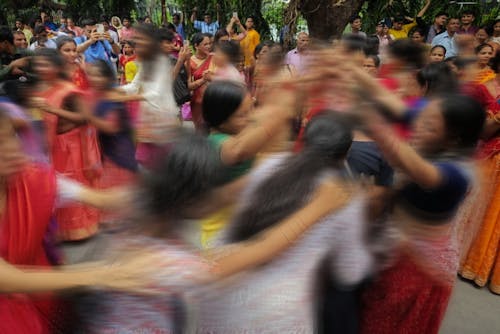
[185, 53]
[95, 36]
[20, 63]
[208, 75]
[107, 36]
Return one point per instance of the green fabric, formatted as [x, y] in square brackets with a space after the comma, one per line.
[235, 171]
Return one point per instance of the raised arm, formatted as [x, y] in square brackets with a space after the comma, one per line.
[421, 13]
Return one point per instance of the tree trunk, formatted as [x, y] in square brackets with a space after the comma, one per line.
[163, 12]
[327, 19]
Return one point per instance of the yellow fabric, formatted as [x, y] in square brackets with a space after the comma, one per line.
[485, 75]
[403, 33]
[213, 224]
[130, 71]
[28, 34]
[248, 45]
[36, 114]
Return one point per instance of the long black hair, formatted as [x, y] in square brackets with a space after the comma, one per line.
[221, 100]
[327, 139]
[437, 78]
[189, 171]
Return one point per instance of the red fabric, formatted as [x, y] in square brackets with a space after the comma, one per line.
[80, 79]
[197, 73]
[404, 299]
[29, 207]
[75, 154]
[318, 106]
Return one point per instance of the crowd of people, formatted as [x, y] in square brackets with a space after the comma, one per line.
[220, 184]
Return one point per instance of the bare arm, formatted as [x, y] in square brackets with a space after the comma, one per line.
[424, 9]
[246, 255]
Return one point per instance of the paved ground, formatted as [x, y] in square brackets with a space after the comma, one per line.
[472, 311]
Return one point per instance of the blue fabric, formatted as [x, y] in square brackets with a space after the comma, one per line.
[180, 31]
[441, 202]
[99, 50]
[119, 146]
[448, 42]
[206, 28]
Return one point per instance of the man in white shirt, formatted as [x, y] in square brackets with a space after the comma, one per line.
[297, 56]
[42, 39]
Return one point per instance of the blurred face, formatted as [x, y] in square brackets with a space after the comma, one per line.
[437, 55]
[496, 29]
[220, 59]
[147, 20]
[19, 25]
[105, 24]
[42, 37]
[356, 24]
[88, 30]
[207, 19]
[11, 156]
[386, 30]
[128, 50]
[302, 42]
[45, 69]
[369, 66]
[440, 20]
[263, 53]
[481, 36]
[379, 29]
[453, 25]
[167, 47]
[143, 45]
[64, 21]
[45, 17]
[68, 51]
[467, 19]
[20, 41]
[417, 37]
[205, 46]
[397, 25]
[126, 23]
[249, 24]
[484, 56]
[115, 21]
[176, 20]
[70, 23]
[96, 79]
[239, 120]
[429, 130]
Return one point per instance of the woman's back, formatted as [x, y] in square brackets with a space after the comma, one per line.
[279, 296]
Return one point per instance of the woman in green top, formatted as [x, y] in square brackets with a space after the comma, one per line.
[239, 133]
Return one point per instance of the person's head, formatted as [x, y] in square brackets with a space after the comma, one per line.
[202, 43]
[171, 27]
[465, 69]
[63, 21]
[89, 26]
[379, 29]
[167, 38]
[11, 155]
[116, 22]
[452, 25]
[440, 19]
[182, 178]
[398, 23]
[262, 49]
[371, 64]
[482, 35]
[127, 22]
[227, 52]
[45, 16]
[128, 48]
[372, 45]
[19, 23]
[407, 53]
[467, 17]
[101, 75]
[495, 62]
[104, 20]
[418, 35]
[207, 18]
[437, 54]
[48, 64]
[67, 47]
[496, 28]
[450, 61]
[6, 39]
[20, 41]
[221, 36]
[355, 23]
[41, 35]
[147, 41]
[356, 47]
[250, 23]
[449, 123]
[147, 20]
[225, 106]
[437, 79]
[302, 41]
[484, 53]
[70, 22]
[176, 18]
[327, 140]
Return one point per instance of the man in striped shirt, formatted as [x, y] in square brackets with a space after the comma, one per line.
[206, 26]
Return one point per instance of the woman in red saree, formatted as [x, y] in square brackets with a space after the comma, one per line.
[202, 69]
[73, 68]
[72, 143]
[27, 196]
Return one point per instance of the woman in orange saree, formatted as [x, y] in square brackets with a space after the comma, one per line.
[482, 261]
[27, 194]
[202, 69]
[72, 143]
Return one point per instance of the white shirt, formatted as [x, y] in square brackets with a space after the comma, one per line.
[48, 44]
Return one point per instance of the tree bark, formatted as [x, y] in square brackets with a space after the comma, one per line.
[327, 19]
